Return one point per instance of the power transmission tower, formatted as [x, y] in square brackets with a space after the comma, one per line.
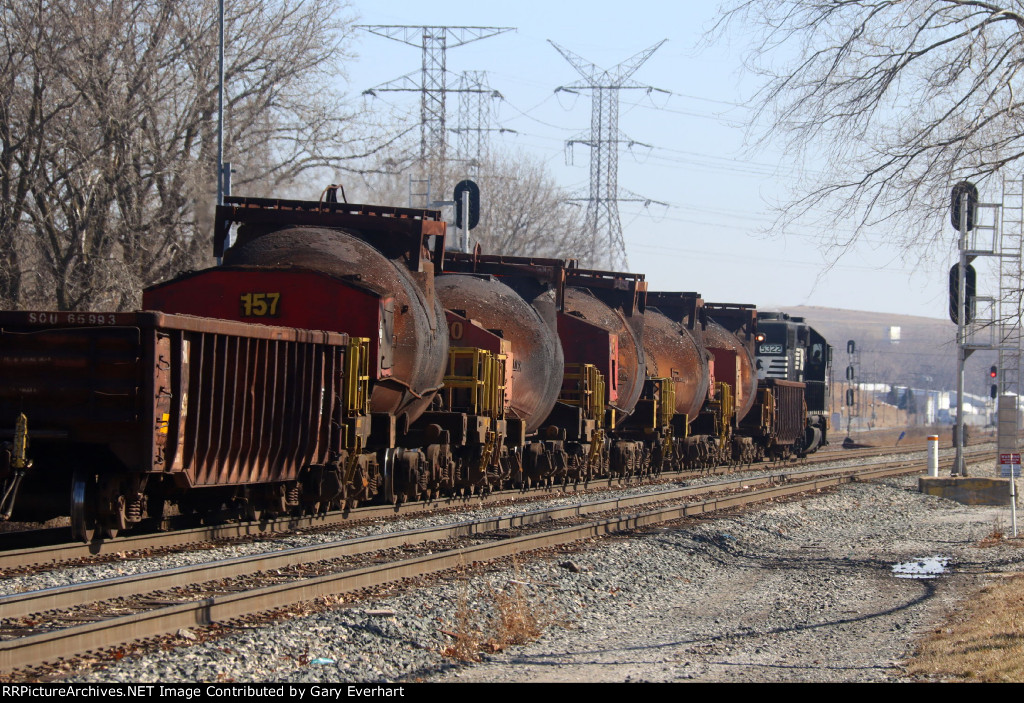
[602, 218]
[476, 115]
[432, 83]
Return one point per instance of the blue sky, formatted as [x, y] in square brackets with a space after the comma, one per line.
[710, 239]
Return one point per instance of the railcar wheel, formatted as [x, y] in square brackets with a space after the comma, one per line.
[246, 510]
[83, 521]
[388, 467]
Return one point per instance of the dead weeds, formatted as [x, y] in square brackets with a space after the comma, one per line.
[995, 537]
[513, 613]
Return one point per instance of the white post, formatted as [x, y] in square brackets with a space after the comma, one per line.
[465, 221]
[1013, 500]
[933, 456]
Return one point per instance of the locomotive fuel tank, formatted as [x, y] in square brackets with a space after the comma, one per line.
[322, 266]
[526, 318]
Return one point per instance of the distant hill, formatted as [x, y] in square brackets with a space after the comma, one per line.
[924, 357]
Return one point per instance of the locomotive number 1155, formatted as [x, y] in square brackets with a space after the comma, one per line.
[260, 304]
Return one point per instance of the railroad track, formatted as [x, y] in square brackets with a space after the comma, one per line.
[51, 548]
[112, 612]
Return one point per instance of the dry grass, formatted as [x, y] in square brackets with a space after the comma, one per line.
[467, 633]
[516, 618]
[995, 537]
[513, 616]
[982, 642]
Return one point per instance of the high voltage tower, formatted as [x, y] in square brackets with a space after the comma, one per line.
[476, 115]
[602, 218]
[432, 83]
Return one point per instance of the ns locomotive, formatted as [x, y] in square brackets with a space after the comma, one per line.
[340, 354]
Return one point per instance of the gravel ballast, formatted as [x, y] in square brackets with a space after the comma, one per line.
[793, 591]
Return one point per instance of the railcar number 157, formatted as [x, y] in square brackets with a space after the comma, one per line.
[260, 304]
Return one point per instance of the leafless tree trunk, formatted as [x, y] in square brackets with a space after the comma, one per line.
[108, 134]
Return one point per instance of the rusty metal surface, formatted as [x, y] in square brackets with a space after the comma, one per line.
[526, 275]
[536, 352]
[420, 335]
[685, 309]
[412, 234]
[173, 394]
[82, 383]
[718, 339]
[672, 352]
[739, 321]
[585, 304]
[250, 411]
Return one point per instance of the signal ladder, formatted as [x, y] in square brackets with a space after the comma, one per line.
[419, 198]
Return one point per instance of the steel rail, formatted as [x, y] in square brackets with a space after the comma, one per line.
[66, 552]
[59, 597]
[48, 646]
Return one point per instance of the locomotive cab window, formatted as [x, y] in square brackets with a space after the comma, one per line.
[816, 363]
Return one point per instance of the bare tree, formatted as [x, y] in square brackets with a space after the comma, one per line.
[888, 101]
[523, 212]
[527, 214]
[108, 141]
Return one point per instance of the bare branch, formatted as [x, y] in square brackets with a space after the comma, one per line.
[891, 100]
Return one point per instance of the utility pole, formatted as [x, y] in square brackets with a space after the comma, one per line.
[602, 218]
[432, 81]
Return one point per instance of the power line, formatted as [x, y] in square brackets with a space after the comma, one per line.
[432, 84]
[602, 220]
